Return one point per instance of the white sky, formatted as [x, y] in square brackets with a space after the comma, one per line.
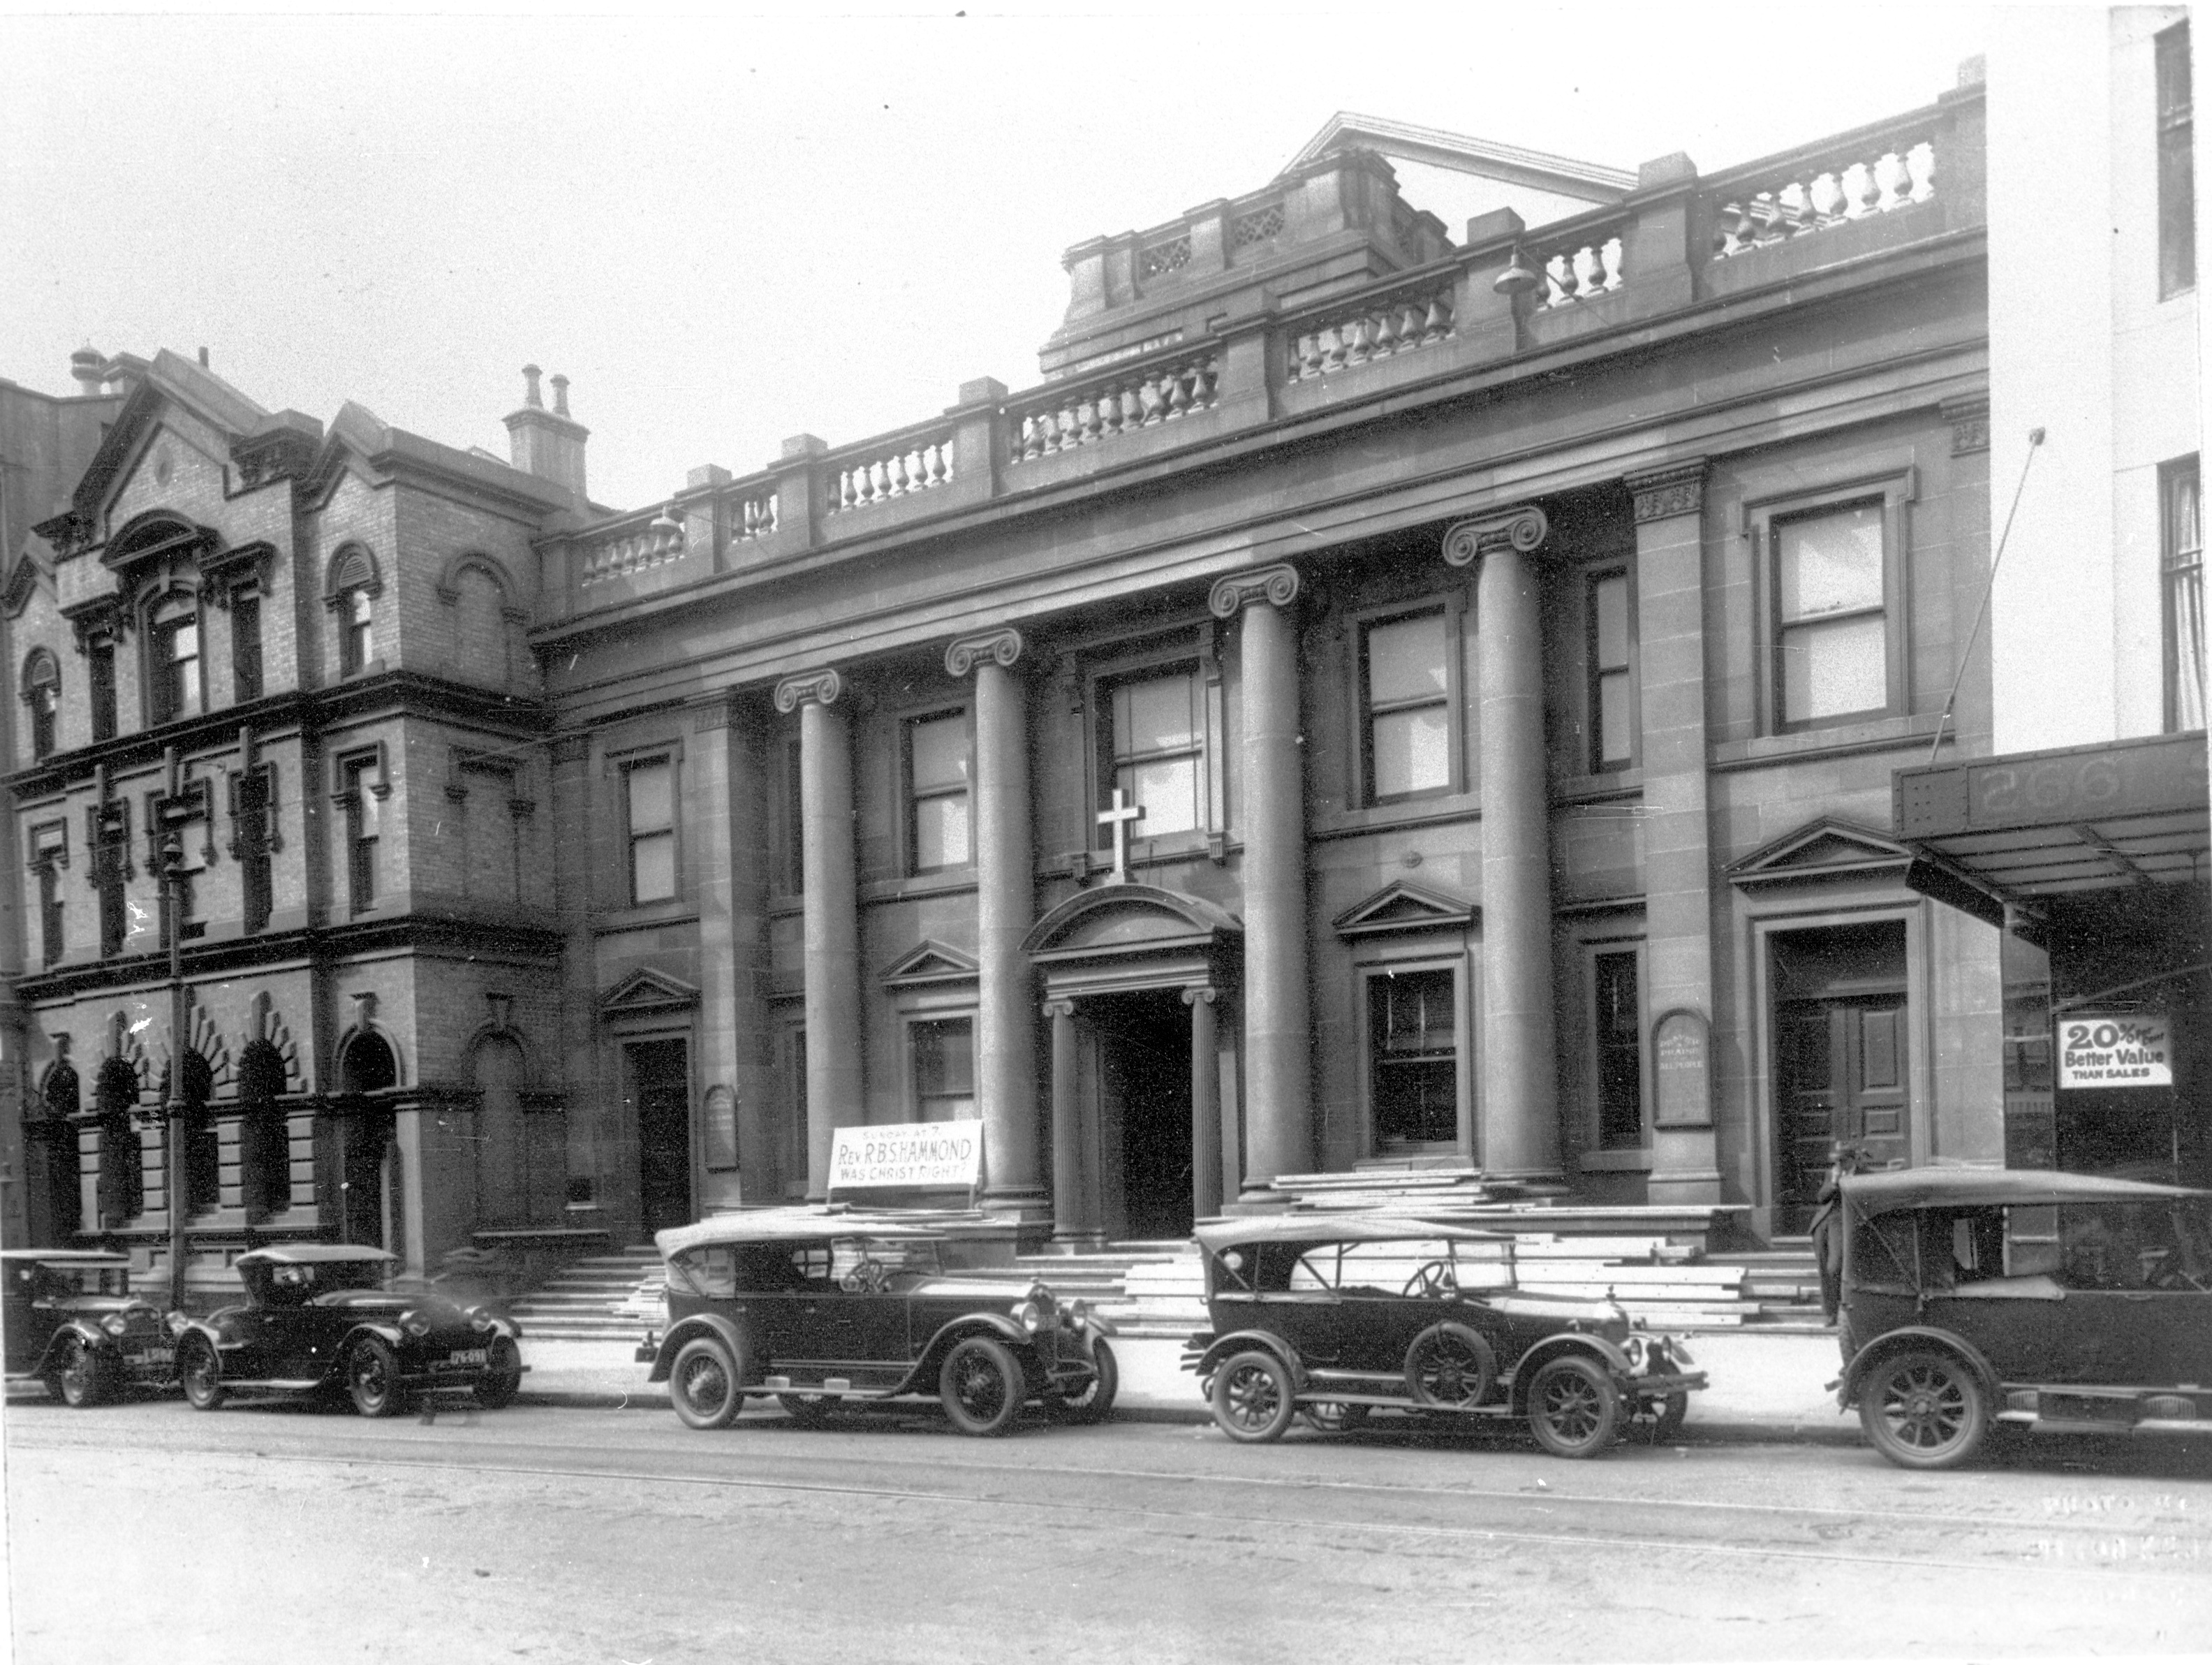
[726, 231]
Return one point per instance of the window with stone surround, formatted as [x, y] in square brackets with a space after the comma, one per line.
[173, 661]
[1617, 1047]
[649, 826]
[121, 1193]
[99, 685]
[1156, 751]
[1609, 634]
[2177, 167]
[42, 699]
[2181, 537]
[1413, 1041]
[253, 807]
[939, 824]
[361, 795]
[246, 644]
[944, 1052]
[49, 859]
[1832, 566]
[110, 856]
[1409, 733]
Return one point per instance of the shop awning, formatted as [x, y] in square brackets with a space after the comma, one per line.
[1986, 832]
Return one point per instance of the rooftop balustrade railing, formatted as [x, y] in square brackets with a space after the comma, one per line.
[1130, 398]
[1399, 317]
[1862, 177]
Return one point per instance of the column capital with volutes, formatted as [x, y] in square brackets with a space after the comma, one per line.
[1663, 493]
[1002, 647]
[823, 687]
[1061, 1007]
[1521, 527]
[1277, 585]
[1200, 994]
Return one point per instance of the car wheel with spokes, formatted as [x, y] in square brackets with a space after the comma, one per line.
[82, 1375]
[1922, 1408]
[1574, 1409]
[372, 1377]
[200, 1370]
[1254, 1398]
[703, 1385]
[981, 1386]
[502, 1378]
[1096, 1402]
[1449, 1367]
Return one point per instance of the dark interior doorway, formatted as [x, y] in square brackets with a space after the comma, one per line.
[1144, 1053]
[368, 1184]
[660, 1089]
[1840, 1057]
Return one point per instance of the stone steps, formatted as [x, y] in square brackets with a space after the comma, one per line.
[601, 1297]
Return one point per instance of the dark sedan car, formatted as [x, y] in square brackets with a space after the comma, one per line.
[828, 1310]
[73, 1324]
[318, 1319]
[2050, 1302]
[1338, 1317]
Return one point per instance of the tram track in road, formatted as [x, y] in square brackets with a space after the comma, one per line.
[1534, 1514]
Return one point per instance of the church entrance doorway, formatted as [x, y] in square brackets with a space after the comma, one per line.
[1840, 1051]
[1144, 1076]
[660, 1092]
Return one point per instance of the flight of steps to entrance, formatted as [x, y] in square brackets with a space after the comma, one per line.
[603, 1297]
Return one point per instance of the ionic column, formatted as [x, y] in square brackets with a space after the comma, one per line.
[1006, 897]
[1518, 1113]
[833, 916]
[1277, 1029]
[1072, 1220]
[1205, 1105]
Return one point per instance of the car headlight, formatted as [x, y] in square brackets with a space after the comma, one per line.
[1075, 1314]
[177, 1323]
[414, 1323]
[1030, 1316]
[115, 1323]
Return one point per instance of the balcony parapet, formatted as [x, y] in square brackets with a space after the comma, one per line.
[1676, 241]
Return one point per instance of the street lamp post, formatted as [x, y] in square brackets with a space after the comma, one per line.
[172, 922]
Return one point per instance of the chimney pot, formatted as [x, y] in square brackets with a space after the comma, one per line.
[90, 366]
[530, 374]
[203, 359]
[560, 396]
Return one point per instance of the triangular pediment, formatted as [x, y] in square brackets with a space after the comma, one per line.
[170, 381]
[646, 990]
[1399, 906]
[1824, 847]
[929, 963]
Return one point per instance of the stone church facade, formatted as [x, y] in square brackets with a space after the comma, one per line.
[1382, 699]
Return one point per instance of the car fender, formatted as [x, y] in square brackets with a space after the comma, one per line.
[390, 1334]
[211, 1328]
[699, 1324]
[1553, 1346]
[1224, 1347]
[923, 1378]
[1889, 1342]
[91, 1334]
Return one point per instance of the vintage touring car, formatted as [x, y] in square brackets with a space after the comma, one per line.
[2053, 1302]
[318, 1319]
[73, 1325]
[1336, 1317]
[827, 1310]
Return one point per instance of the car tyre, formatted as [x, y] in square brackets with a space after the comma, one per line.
[372, 1377]
[502, 1378]
[982, 1385]
[1922, 1408]
[82, 1376]
[703, 1384]
[1658, 1417]
[1096, 1402]
[1449, 1367]
[200, 1368]
[1254, 1398]
[1574, 1409]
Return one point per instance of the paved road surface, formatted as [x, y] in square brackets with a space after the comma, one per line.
[285, 1533]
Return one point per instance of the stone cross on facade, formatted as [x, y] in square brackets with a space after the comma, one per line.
[1120, 817]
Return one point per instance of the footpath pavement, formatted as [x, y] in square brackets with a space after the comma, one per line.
[1767, 1387]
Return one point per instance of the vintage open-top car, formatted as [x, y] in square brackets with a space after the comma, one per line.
[1333, 1317]
[2063, 1303]
[73, 1324]
[318, 1319]
[828, 1310]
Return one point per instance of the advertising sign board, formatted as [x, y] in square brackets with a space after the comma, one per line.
[2115, 1049]
[910, 1155]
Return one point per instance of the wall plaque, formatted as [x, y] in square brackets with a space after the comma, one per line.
[1681, 1070]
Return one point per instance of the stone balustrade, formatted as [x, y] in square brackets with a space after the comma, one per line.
[1586, 265]
[1825, 191]
[922, 465]
[752, 515]
[1086, 413]
[1400, 322]
[629, 553]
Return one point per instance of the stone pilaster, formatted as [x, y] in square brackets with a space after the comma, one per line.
[724, 825]
[1075, 1220]
[833, 1080]
[1678, 898]
[1006, 899]
[1517, 1110]
[1205, 1105]
[1278, 1026]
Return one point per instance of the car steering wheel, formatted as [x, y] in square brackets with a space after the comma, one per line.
[866, 1278]
[1434, 1278]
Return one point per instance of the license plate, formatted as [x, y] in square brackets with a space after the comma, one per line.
[154, 1356]
[469, 1355]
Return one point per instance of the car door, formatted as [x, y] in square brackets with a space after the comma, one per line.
[1377, 1320]
[865, 1324]
[1297, 1300]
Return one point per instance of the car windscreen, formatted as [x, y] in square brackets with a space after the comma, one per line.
[41, 1282]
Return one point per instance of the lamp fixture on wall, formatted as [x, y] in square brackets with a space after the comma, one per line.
[668, 519]
[1518, 277]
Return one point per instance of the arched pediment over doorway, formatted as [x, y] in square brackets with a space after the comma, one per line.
[1135, 936]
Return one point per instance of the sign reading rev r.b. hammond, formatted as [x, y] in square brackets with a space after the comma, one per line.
[908, 1156]
[2115, 1049]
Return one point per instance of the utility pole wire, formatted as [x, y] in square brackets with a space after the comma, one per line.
[2034, 441]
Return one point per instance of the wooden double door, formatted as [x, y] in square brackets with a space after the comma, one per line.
[1840, 1074]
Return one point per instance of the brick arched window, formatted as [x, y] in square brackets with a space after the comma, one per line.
[350, 594]
[42, 697]
[265, 1145]
[121, 1195]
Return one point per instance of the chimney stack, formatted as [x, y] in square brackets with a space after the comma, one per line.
[549, 444]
